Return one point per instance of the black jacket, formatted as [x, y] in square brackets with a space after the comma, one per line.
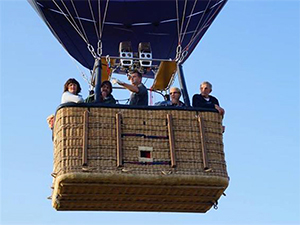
[199, 101]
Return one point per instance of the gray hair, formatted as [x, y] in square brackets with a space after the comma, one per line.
[207, 83]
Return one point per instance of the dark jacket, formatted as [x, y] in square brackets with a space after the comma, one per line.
[199, 101]
[108, 100]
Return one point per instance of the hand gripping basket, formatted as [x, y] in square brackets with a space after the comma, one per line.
[137, 159]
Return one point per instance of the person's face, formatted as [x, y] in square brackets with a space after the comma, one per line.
[105, 88]
[175, 95]
[72, 88]
[135, 79]
[205, 90]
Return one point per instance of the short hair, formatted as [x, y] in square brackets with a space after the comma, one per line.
[137, 72]
[72, 81]
[207, 83]
[177, 89]
[106, 82]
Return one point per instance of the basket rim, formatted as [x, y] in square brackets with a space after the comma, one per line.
[120, 106]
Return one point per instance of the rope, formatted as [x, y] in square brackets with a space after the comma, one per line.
[84, 76]
[82, 73]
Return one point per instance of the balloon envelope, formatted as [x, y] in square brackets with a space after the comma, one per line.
[163, 23]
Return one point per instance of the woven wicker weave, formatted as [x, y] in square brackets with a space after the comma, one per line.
[126, 159]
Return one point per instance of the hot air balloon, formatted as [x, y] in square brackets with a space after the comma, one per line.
[134, 158]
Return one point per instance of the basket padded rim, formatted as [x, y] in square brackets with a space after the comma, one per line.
[128, 179]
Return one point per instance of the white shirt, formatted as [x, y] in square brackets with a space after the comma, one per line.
[69, 97]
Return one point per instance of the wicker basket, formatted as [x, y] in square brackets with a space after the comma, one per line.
[131, 159]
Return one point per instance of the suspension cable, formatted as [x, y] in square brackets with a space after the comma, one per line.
[179, 29]
[74, 21]
[188, 22]
[78, 31]
[205, 23]
[81, 32]
[93, 18]
[74, 61]
[182, 21]
[99, 49]
[177, 13]
[104, 18]
[89, 46]
[74, 7]
[194, 34]
[99, 13]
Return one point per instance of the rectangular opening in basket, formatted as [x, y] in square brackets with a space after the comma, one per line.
[145, 154]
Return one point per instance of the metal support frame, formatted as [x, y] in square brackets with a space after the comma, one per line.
[181, 80]
[98, 68]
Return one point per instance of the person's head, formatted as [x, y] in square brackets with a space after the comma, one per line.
[205, 88]
[106, 87]
[72, 86]
[136, 77]
[175, 94]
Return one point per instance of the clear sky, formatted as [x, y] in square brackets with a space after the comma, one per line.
[251, 56]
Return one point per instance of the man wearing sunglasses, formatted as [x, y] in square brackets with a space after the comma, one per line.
[174, 99]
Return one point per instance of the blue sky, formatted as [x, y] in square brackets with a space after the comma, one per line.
[250, 54]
